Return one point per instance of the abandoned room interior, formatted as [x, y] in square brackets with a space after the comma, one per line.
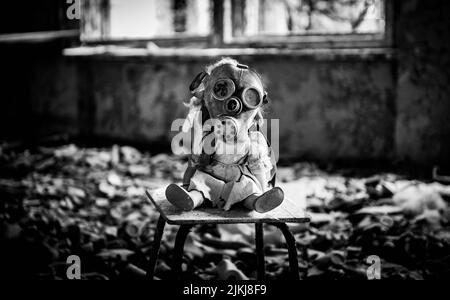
[359, 89]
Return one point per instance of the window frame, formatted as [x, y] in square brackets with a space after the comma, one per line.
[351, 40]
[221, 35]
[100, 13]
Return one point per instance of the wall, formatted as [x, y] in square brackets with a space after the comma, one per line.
[333, 108]
[329, 108]
[133, 100]
[423, 82]
[39, 91]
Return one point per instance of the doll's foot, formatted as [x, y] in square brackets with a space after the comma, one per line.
[179, 197]
[268, 201]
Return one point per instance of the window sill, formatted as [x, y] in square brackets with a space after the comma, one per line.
[117, 52]
[38, 37]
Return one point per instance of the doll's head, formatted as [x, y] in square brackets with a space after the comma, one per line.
[233, 96]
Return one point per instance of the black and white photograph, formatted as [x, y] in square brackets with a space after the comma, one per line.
[225, 145]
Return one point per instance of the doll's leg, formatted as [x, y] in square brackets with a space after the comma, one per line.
[197, 198]
[183, 199]
[265, 202]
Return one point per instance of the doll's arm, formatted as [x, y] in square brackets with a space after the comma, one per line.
[190, 171]
[195, 161]
[193, 124]
[188, 175]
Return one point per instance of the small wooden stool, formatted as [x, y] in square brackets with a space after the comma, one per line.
[288, 212]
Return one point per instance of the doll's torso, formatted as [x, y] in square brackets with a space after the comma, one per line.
[228, 176]
[231, 153]
[229, 160]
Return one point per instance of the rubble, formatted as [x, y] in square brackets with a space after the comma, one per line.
[69, 200]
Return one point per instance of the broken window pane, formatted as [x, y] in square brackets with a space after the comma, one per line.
[284, 17]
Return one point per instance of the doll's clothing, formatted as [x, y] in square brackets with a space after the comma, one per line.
[225, 184]
[222, 193]
[258, 158]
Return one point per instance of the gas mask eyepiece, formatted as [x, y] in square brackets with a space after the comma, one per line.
[223, 89]
[251, 98]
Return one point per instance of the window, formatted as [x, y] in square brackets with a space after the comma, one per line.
[122, 20]
[308, 22]
[237, 23]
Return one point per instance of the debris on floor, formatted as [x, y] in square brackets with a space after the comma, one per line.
[67, 200]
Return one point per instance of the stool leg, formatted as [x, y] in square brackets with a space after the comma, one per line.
[179, 248]
[259, 243]
[155, 247]
[292, 249]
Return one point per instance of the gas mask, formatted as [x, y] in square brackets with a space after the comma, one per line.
[232, 94]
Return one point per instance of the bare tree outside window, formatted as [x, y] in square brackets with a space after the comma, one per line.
[327, 23]
[284, 17]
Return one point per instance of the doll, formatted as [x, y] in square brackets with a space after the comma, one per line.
[229, 163]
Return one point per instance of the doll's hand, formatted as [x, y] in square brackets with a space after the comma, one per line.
[234, 193]
[227, 206]
[226, 193]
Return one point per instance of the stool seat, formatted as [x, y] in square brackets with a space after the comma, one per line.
[287, 212]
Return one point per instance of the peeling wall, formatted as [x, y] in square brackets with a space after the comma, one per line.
[332, 109]
[134, 100]
[327, 109]
[54, 88]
